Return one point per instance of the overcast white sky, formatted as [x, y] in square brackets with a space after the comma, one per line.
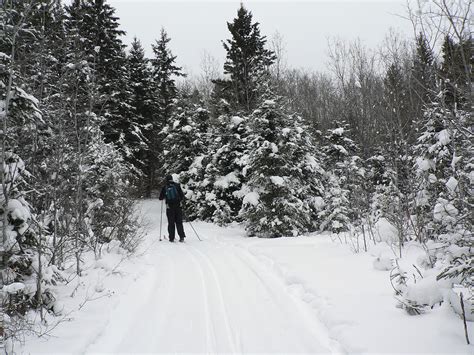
[196, 26]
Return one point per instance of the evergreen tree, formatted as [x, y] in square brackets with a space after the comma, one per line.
[456, 71]
[343, 175]
[164, 72]
[396, 102]
[141, 101]
[185, 136]
[423, 75]
[247, 63]
[282, 174]
[98, 28]
[444, 199]
[215, 179]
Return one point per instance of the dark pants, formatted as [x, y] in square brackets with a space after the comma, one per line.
[175, 217]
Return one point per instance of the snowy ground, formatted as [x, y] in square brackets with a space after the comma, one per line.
[241, 295]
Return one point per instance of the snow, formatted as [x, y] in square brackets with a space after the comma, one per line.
[210, 196]
[277, 180]
[231, 294]
[383, 263]
[338, 131]
[187, 128]
[223, 182]
[17, 211]
[318, 202]
[454, 297]
[236, 120]
[444, 137]
[452, 184]
[274, 148]
[444, 210]
[424, 164]
[340, 149]
[13, 288]
[23, 94]
[251, 198]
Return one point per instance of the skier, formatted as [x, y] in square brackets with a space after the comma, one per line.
[172, 192]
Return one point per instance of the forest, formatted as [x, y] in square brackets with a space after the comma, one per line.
[90, 125]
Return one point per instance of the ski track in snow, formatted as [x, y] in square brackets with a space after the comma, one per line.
[213, 296]
[221, 298]
[230, 294]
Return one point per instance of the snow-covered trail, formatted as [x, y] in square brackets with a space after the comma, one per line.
[209, 297]
[230, 294]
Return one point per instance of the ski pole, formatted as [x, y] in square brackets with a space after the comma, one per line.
[186, 216]
[161, 218]
[197, 235]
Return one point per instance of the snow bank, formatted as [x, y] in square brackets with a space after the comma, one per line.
[383, 263]
[454, 297]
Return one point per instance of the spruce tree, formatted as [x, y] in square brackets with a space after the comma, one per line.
[141, 102]
[343, 175]
[247, 63]
[423, 75]
[456, 72]
[164, 73]
[215, 179]
[283, 174]
[185, 135]
[98, 28]
[444, 169]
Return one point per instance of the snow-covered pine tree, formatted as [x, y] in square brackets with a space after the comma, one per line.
[141, 102]
[215, 179]
[247, 63]
[90, 203]
[283, 174]
[444, 172]
[164, 73]
[98, 28]
[185, 136]
[343, 171]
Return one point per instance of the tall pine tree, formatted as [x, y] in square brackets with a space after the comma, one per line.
[164, 73]
[247, 63]
[141, 102]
